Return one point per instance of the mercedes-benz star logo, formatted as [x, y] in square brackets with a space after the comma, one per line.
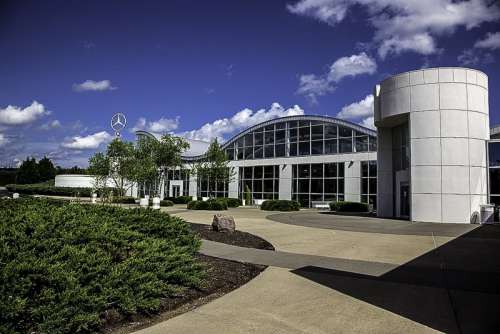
[118, 122]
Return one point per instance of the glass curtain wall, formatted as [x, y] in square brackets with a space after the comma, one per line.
[261, 181]
[494, 171]
[300, 138]
[318, 182]
[369, 182]
[212, 188]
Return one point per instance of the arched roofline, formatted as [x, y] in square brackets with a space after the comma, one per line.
[326, 119]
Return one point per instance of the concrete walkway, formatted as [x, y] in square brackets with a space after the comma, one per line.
[328, 280]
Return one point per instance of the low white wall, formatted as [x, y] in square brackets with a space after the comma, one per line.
[74, 181]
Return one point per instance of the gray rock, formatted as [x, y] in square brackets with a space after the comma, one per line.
[223, 223]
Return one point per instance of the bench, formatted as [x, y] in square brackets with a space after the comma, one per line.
[320, 205]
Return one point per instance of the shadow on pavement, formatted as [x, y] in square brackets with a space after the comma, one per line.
[454, 289]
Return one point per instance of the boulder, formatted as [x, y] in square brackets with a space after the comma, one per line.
[223, 223]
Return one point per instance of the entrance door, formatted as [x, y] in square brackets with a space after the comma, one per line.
[404, 203]
[176, 191]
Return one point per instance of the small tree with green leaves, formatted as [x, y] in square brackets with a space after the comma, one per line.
[121, 159]
[99, 167]
[214, 167]
[46, 169]
[28, 172]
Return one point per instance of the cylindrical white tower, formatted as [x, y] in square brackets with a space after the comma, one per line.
[432, 128]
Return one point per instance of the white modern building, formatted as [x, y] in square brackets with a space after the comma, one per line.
[311, 159]
[433, 128]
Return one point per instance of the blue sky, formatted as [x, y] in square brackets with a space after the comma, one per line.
[207, 69]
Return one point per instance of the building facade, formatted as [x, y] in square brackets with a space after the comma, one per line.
[311, 159]
[433, 128]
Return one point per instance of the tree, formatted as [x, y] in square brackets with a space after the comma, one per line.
[28, 172]
[46, 169]
[99, 167]
[214, 168]
[121, 164]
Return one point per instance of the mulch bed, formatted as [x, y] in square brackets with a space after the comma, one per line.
[223, 276]
[237, 238]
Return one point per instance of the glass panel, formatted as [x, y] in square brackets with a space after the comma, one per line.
[240, 142]
[280, 137]
[364, 198]
[269, 128]
[345, 145]
[494, 154]
[280, 150]
[373, 144]
[292, 124]
[268, 172]
[330, 197]
[249, 139]
[259, 138]
[331, 170]
[303, 186]
[495, 181]
[269, 138]
[258, 151]
[240, 153]
[230, 154]
[316, 132]
[249, 153]
[293, 149]
[304, 148]
[330, 185]
[373, 168]
[257, 186]
[276, 186]
[316, 170]
[304, 170]
[269, 151]
[247, 172]
[316, 185]
[330, 131]
[257, 195]
[293, 135]
[303, 200]
[276, 171]
[303, 123]
[268, 186]
[340, 186]
[294, 171]
[361, 144]
[364, 185]
[248, 183]
[304, 134]
[317, 147]
[257, 172]
[373, 185]
[364, 168]
[340, 169]
[281, 125]
[331, 146]
[345, 132]
[316, 197]
[268, 196]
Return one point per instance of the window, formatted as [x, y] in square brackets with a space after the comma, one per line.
[317, 182]
[361, 144]
[369, 182]
[262, 182]
[345, 145]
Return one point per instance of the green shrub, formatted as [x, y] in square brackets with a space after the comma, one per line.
[166, 202]
[348, 206]
[280, 205]
[63, 266]
[47, 189]
[124, 200]
[211, 204]
[233, 202]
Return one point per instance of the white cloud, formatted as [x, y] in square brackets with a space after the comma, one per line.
[491, 41]
[360, 111]
[161, 126]
[352, 66]
[13, 115]
[87, 142]
[3, 140]
[91, 85]
[475, 57]
[241, 120]
[51, 125]
[404, 25]
[312, 86]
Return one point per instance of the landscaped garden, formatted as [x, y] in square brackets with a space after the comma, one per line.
[78, 268]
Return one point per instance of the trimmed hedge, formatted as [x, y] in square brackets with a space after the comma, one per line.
[280, 205]
[211, 204]
[180, 199]
[45, 189]
[166, 202]
[348, 206]
[124, 200]
[233, 202]
[65, 267]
